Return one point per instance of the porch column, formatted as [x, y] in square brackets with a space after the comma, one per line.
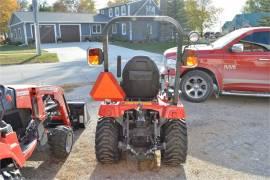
[25, 34]
[130, 31]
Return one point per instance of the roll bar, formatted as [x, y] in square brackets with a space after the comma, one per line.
[179, 30]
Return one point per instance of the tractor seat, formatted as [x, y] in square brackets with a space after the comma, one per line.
[140, 79]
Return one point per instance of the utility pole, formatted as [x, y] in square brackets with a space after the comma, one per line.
[36, 25]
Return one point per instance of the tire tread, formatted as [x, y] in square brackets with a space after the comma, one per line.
[106, 141]
[175, 137]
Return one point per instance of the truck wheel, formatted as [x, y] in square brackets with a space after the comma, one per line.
[196, 86]
[61, 141]
[175, 137]
[12, 173]
[106, 141]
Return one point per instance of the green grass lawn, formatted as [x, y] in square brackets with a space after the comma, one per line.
[6, 49]
[156, 47]
[10, 54]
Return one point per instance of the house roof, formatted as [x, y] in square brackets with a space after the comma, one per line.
[61, 17]
[137, 4]
[121, 4]
[242, 20]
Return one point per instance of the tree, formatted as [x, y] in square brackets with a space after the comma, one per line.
[176, 9]
[44, 6]
[82, 6]
[86, 6]
[202, 14]
[60, 6]
[116, 2]
[157, 2]
[23, 5]
[66, 6]
[256, 6]
[7, 7]
[265, 7]
[252, 6]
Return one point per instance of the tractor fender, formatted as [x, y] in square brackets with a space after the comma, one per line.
[12, 151]
[10, 148]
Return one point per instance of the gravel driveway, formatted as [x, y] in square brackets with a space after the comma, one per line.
[68, 52]
[228, 137]
[72, 69]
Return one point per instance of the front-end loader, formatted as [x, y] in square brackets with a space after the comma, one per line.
[31, 117]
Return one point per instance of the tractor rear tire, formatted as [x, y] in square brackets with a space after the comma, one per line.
[13, 173]
[61, 141]
[106, 141]
[175, 137]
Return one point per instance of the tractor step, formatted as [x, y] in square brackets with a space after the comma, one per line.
[244, 93]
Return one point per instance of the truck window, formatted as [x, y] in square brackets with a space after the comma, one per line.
[257, 42]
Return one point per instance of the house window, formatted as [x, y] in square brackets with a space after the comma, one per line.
[124, 29]
[102, 11]
[123, 10]
[15, 34]
[19, 33]
[149, 29]
[96, 29]
[117, 11]
[114, 28]
[150, 10]
[110, 12]
[153, 10]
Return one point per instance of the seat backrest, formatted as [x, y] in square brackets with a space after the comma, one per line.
[140, 78]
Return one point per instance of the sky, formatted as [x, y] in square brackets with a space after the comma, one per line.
[229, 9]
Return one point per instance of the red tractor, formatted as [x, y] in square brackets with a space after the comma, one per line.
[137, 116]
[32, 116]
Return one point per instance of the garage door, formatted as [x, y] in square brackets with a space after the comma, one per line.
[47, 34]
[70, 33]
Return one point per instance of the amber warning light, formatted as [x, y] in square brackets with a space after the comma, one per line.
[94, 56]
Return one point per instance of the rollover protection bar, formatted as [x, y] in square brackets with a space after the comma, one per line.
[167, 19]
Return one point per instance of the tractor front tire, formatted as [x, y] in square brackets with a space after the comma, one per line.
[106, 141]
[175, 138]
[61, 141]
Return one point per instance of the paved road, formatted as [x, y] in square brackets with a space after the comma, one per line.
[68, 52]
[72, 67]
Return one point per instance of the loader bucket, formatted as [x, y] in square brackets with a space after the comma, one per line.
[78, 114]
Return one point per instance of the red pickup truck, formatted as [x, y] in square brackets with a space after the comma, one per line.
[235, 64]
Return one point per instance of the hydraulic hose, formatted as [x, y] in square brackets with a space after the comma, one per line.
[5, 128]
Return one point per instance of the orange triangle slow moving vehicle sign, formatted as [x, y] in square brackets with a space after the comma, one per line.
[107, 87]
